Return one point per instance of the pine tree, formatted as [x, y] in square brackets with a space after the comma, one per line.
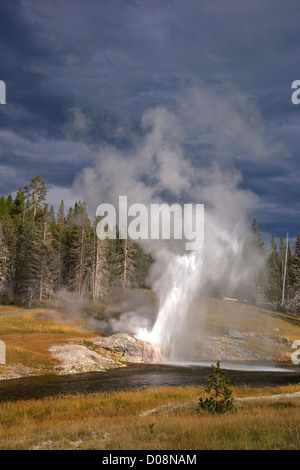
[36, 193]
[3, 265]
[79, 250]
[9, 244]
[35, 266]
[51, 219]
[44, 256]
[290, 278]
[260, 275]
[57, 229]
[296, 264]
[26, 275]
[257, 236]
[100, 276]
[40, 254]
[143, 264]
[294, 305]
[69, 234]
[274, 285]
[281, 255]
[221, 399]
[115, 257]
[18, 210]
[129, 264]
[122, 260]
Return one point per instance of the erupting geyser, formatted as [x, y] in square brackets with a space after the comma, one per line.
[186, 154]
[176, 290]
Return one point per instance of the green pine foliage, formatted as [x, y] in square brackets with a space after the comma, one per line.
[220, 399]
[257, 236]
[278, 285]
[42, 252]
[296, 263]
[275, 274]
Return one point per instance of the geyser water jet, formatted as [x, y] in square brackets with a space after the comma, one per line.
[176, 290]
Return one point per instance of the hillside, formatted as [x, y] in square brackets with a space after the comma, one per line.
[229, 330]
[214, 330]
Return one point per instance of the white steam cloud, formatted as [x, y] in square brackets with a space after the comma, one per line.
[185, 154]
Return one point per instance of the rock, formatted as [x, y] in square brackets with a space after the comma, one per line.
[234, 334]
[100, 354]
[76, 358]
[129, 348]
[286, 340]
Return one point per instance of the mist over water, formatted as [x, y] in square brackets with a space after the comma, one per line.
[185, 154]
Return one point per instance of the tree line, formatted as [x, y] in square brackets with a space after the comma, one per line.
[279, 283]
[42, 252]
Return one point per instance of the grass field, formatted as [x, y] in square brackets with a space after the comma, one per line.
[120, 420]
[114, 421]
[28, 335]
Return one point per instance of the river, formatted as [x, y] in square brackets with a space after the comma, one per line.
[139, 376]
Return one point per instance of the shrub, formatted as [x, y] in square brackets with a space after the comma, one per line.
[220, 400]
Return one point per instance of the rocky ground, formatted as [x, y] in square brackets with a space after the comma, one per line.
[103, 353]
[118, 350]
[245, 346]
[17, 371]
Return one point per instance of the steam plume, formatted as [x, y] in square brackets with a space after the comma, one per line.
[185, 154]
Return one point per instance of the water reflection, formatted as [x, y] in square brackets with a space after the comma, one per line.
[137, 377]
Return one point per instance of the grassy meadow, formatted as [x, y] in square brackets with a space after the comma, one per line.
[153, 419]
[29, 333]
[119, 421]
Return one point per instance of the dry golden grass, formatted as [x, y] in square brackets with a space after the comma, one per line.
[114, 421]
[224, 315]
[28, 335]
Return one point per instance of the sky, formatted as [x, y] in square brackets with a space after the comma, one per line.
[81, 74]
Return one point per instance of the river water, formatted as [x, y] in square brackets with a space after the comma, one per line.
[140, 376]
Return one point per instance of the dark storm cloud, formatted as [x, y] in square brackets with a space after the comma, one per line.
[105, 62]
[27, 57]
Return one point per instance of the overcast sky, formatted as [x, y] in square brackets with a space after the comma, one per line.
[80, 74]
